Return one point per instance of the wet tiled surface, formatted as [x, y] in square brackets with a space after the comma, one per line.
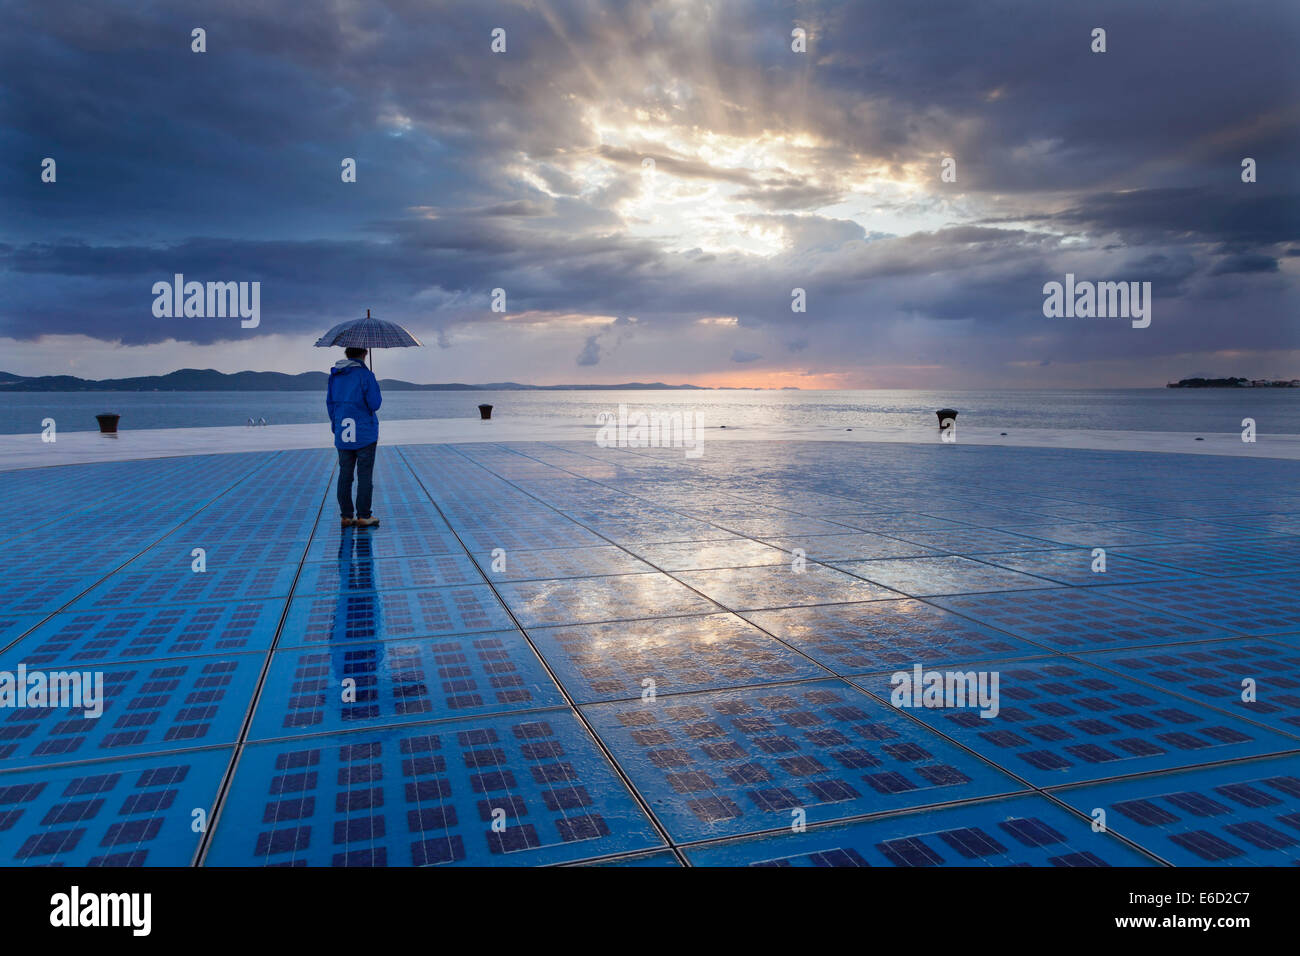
[429, 795]
[1241, 814]
[1255, 679]
[744, 761]
[629, 659]
[565, 654]
[863, 638]
[1012, 831]
[1084, 568]
[1062, 720]
[1077, 619]
[135, 812]
[767, 587]
[947, 575]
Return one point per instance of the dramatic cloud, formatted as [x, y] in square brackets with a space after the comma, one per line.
[648, 183]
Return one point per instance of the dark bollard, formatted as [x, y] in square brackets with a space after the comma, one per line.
[108, 423]
[945, 414]
[485, 412]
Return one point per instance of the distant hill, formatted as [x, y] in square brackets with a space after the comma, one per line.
[1233, 383]
[210, 380]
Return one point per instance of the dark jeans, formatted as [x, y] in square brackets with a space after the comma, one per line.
[362, 460]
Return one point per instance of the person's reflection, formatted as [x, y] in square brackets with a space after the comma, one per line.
[358, 617]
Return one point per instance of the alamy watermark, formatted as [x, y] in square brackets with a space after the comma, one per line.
[74, 908]
[918, 688]
[653, 430]
[83, 690]
[1098, 300]
[213, 300]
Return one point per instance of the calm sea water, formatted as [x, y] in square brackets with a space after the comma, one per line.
[1275, 411]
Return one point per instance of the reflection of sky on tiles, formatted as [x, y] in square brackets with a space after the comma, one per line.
[626, 659]
[743, 761]
[726, 626]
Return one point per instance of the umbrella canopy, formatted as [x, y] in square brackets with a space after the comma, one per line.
[368, 333]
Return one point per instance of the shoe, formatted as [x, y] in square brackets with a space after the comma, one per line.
[366, 522]
[349, 522]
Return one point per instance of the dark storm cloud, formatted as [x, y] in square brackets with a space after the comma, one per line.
[1247, 262]
[1239, 213]
[475, 171]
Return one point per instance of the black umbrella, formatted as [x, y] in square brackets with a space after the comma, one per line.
[369, 334]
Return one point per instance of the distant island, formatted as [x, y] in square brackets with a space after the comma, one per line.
[1234, 383]
[210, 380]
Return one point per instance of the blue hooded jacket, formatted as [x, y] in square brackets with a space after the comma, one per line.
[353, 393]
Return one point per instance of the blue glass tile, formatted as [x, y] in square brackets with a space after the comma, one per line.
[862, 638]
[387, 615]
[921, 577]
[1075, 566]
[1241, 814]
[531, 539]
[620, 597]
[148, 706]
[630, 658]
[1059, 721]
[13, 626]
[560, 563]
[400, 681]
[743, 589]
[1255, 605]
[176, 553]
[1075, 619]
[1217, 673]
[1222, 559]
[1012, 831]
[129, 588]
[385, 574]
[730, 762]
[134, 812]
[398, 539]
[430, 795]
[663, 858]
[976, 541]
[39, 590]
[139, 633]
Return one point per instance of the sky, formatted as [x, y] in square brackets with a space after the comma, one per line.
[648, 182]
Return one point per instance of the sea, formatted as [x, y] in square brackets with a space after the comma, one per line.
[1274, 411]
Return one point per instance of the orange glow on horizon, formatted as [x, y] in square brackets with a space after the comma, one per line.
[741, 378]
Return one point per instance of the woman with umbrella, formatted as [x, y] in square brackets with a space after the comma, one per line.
[352, 397]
